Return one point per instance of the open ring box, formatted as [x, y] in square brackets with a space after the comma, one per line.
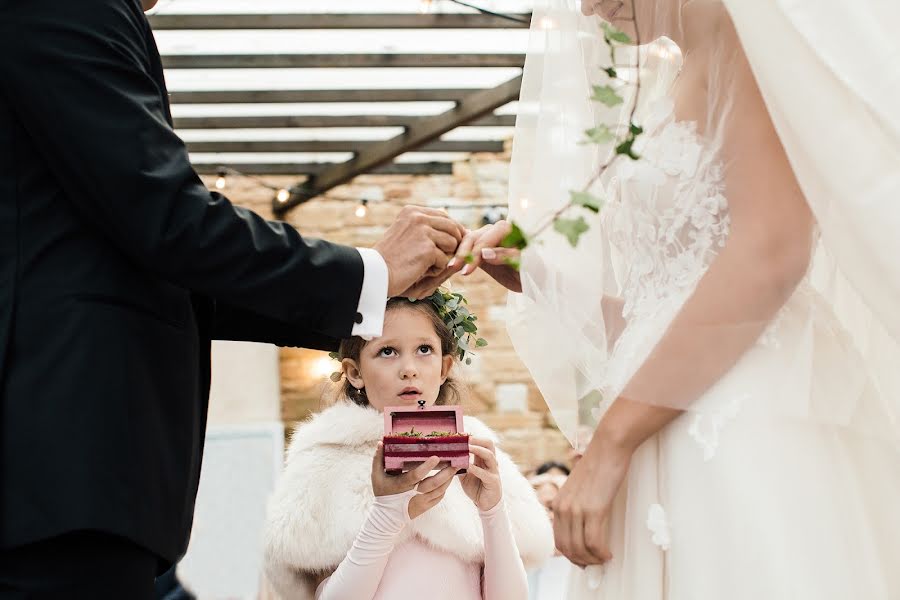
[413, 434]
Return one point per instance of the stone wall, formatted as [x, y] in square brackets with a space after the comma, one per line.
[502, 392]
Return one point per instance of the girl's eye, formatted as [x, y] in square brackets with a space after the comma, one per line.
[387, 352]
[425, 349]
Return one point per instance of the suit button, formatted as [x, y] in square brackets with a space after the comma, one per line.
[359, 318]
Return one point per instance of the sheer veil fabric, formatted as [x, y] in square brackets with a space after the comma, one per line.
[781, 481]
[590, 315]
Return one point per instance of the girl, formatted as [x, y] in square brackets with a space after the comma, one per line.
[339, 528]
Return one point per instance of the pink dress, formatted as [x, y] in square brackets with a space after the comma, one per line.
[376, 568]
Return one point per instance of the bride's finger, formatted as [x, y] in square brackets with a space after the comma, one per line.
[499, 256]
[596, 539]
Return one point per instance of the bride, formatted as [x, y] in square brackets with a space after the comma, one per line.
[729, 323]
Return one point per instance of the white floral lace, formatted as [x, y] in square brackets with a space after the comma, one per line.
[658, 524]
[667, 214]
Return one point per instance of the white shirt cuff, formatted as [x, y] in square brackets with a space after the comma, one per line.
[373, 297]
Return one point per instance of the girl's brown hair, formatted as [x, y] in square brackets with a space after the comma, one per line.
[450, 392]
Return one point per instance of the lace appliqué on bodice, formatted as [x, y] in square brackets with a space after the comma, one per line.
[667, 214]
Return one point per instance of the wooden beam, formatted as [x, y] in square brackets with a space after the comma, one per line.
[338, 61]
[323, 121]
[300, 96]
[475, 106]
[298, 169]
[338, 146]
[338, 21]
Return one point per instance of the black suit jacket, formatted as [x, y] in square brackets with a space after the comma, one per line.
[117, 268]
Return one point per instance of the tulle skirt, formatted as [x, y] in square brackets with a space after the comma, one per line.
[782, 482]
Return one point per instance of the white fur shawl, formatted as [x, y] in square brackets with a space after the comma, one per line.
[322, 499]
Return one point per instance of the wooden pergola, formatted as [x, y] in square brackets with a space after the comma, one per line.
[420, 133]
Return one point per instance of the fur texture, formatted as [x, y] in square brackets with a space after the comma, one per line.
[322, 499]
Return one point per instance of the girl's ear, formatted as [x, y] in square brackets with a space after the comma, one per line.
[351, 370]
[446, 365]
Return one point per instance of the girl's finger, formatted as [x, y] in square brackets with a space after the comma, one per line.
[437, 480]
[484, 475]
[489, 458]
[411, 478]
[437, 493]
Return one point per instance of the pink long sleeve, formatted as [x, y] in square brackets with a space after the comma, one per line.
[504, 573]
[359, 574]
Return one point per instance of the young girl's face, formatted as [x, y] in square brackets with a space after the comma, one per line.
[404, 365]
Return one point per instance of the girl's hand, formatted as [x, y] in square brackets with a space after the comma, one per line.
[482, 481]
[430, 490]
[482, 248]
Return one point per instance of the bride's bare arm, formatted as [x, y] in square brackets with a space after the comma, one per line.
[766, 255]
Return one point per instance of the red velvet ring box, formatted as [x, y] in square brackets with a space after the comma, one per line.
[413, 434]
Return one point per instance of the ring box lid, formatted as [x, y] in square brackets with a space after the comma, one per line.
[424, 419]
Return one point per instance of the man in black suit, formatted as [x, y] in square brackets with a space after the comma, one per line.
[117, 268]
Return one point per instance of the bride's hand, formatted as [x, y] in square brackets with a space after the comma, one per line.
[482, 480]
[581, 508]
[482, 248]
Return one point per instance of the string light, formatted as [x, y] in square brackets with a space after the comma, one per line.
[547, 23]
[524, 203]
[362, 210]
[220, 181]
[283, 195]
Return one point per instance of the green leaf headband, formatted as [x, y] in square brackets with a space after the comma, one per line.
[451, 309]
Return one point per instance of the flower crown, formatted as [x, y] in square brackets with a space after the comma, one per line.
[451, 308]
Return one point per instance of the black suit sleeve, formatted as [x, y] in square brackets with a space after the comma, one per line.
[237, 324]
[84, 80]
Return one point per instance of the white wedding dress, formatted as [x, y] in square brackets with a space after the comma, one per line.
[782, 481]
[737, 500]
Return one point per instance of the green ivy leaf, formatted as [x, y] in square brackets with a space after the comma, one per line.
[635, 129]
[599, 135]
[571, 228]
[334, 355]
[515, 239]
[626, 149]
[469, 327]
[481, 343]
[615, 34]
[470, 258]
[586, 200]
[611, 71]
[515, 263]
[606, 95]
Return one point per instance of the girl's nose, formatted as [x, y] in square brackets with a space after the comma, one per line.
[408, 371]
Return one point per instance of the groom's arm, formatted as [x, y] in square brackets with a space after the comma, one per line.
[79, 78]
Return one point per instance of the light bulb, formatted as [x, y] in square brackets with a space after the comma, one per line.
[361, 211]
[324, 367]
[547, 23]
[283, 195]
[220, 183]
[524, 203]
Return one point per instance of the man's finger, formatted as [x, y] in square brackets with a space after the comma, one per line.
[448, 226]
[444, 241]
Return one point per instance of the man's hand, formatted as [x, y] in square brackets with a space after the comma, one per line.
[417, 246]
[481, 248]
